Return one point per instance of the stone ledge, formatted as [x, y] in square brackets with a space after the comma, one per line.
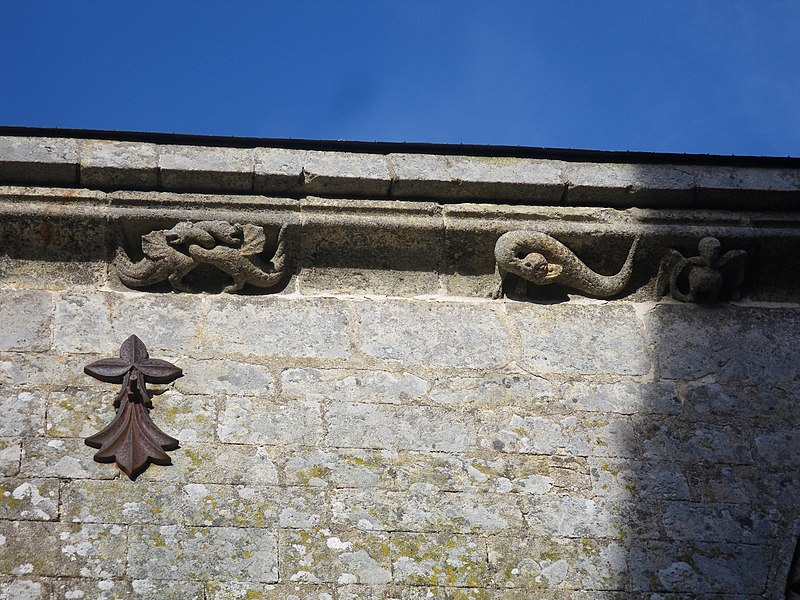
[62, 237]
[121, 165]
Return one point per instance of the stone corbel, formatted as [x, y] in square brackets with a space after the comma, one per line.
[540, 259]
[234, 249]
[706, 278]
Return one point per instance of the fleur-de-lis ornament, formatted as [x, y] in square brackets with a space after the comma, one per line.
[132, 439]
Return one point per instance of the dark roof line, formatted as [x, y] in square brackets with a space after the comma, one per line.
[565, 154]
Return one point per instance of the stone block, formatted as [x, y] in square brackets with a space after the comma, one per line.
[581, 339]
[217, 463]
[37, 371]
[621, 397]
[29, 499]
[213, 505]
[695, 522]
[567, 516]
[187, 418]
[353, 425]
[10, 456]
[340, 468]
[476, 177]
[99, 323]
[25, 589]
[199, 553]
[246, 420]
[346, 385]
[278, 170]
[729, 343]
[272, 326]
[713, 400]
[48, 549]
[607, 184]
[52, 242]
[512, 431]
[217, 377]
[323, 556]
[425, 509]
[79, 412]
[443, 334]
[39, 161]
[632, 479]
[167, 590]
[206, 169]
[780, 448]
[510, 389]
[78, 320]
[388, 281]
[96, 589]
[439, 559]
[246, 590]
[738, 187]
[65, 459]
[111, 165]
[23, 415]
[345, 174]
[27, 318]
[558, 563]
[690, 441]
[698, 568]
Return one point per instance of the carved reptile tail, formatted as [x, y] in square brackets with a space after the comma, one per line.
[512, 248]
[145, 272]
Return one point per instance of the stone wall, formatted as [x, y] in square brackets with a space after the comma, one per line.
[340, 441]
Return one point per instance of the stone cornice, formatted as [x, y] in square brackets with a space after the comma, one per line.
[395, 247]
[685, 182]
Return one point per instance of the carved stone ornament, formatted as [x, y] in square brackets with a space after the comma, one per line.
[705, 278]
[132, 440]
[170, 254]
[541, 259]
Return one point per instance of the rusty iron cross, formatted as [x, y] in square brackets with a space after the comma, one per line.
[132, 439]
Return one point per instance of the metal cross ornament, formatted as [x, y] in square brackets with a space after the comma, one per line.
[132, 439]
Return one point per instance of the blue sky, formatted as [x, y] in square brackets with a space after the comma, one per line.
[700, 76]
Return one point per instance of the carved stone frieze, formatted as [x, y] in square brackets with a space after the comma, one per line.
[132, 440]
[540, 259]
[706, 278]
[234, 249]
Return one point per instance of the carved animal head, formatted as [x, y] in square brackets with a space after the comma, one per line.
[154, 245]
[535, 267]
[186, 233]
[205, 233]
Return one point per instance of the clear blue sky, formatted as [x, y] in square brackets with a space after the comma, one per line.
[707, 76]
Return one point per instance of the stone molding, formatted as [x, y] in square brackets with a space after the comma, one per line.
[123, 165]
[393, 247]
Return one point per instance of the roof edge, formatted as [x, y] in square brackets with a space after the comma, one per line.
[563, 154]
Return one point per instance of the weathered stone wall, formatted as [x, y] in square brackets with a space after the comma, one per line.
[379, 428]
[377, 447]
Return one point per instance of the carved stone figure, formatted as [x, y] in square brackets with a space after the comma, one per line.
[703, 278]
[541, 259]
[173, 253]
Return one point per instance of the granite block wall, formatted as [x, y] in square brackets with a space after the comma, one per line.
[341, 446]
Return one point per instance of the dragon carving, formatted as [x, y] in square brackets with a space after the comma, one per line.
[540, 259]
[171, 254]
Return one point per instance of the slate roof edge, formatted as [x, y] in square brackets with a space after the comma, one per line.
[430, 172]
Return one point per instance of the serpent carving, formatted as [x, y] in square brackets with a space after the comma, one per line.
[541, 259]
[172, 253]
